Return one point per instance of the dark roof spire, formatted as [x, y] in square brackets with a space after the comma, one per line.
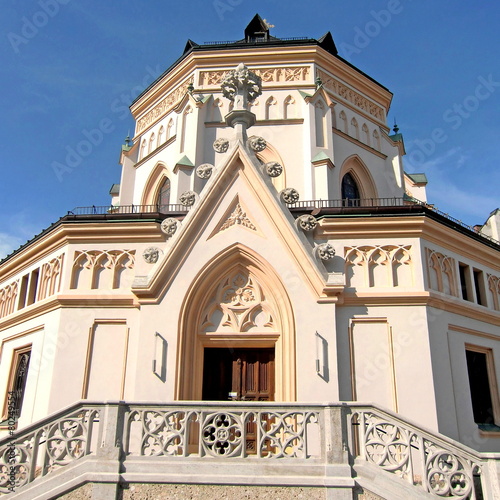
[257, 29]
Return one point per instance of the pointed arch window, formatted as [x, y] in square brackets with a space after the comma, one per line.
[376, 140]
[366, 134]
[151, 143]
[143, 149]
[350, 191]
[163, 199]
[161, 133]
[170, 129]
[343, 122]
[355, 128]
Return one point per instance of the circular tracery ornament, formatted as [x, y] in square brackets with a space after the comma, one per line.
[257, 143]
[273, 169]
[307, 222]
[325, 251]
[290, 195]
[187, 198]
[221, 145]
[169, 226]
[204, 171]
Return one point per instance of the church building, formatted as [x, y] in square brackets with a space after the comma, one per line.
[269, 305]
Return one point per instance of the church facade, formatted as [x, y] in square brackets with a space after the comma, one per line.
[264, 259]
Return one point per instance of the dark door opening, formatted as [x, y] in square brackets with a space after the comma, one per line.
[238, 374]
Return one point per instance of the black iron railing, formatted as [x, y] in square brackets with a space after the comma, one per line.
[128, 209]
[306, 205]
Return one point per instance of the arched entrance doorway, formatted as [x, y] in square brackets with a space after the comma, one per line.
[236, 334]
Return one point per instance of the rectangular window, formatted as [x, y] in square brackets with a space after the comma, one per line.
[33, 287]
[483, 385]
[23, 291]
[479, 286]
[465, 282]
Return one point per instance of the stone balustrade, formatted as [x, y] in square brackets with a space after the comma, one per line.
[281, 444]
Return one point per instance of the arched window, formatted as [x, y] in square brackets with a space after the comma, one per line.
[343, 122]
[160, 136]
[376, 140]
[355, 128]
[151, 143]
[143, 149]
[319, 113]
[289, 107]
[366, 134]
[350, 191]
[170, 129]
[163, 199]
[271, 108]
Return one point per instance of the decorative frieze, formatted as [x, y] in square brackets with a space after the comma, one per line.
[102, 269]
[378, 266]
[441, 273]
[50, 280]
[350, 95]
[164, 106]
[268, 75]
[8, 297]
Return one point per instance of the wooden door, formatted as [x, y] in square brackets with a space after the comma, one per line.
[238, 374]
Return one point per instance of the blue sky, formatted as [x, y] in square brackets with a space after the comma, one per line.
[67, 65]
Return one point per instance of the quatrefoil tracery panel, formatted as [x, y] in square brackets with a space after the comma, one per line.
[237, 306]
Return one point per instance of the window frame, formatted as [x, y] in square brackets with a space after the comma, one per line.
[17, 353]
[492, 379]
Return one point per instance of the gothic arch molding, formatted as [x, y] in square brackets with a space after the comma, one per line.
[355, 166]
[153, 184]
[193, 337]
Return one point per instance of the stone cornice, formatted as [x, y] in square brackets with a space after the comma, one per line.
[361, 228]
[422, 298]
[66, 301]
[80, 232]
[280, 62]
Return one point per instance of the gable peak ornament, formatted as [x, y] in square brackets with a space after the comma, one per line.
[241, 86]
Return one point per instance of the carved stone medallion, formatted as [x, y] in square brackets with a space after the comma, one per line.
[169, 226]
[221, 145]
[325, 251]
[290, 195]
[257, 143]
[187, 198]
[151, 255]
[204, 171]
[273, 169]
[307, 222]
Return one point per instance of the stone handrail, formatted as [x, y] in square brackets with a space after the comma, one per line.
[307, 437]
[437, 464]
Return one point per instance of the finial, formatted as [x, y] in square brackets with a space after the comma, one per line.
[190, 88]
[128, 141]
[395, 128]
[319, 82]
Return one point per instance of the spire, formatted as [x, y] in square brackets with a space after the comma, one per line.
[257, 30]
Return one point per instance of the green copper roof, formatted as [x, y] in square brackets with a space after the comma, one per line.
[185, 161]
[321, 156]
[115, 189]
[396, 137]
[418, 178]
